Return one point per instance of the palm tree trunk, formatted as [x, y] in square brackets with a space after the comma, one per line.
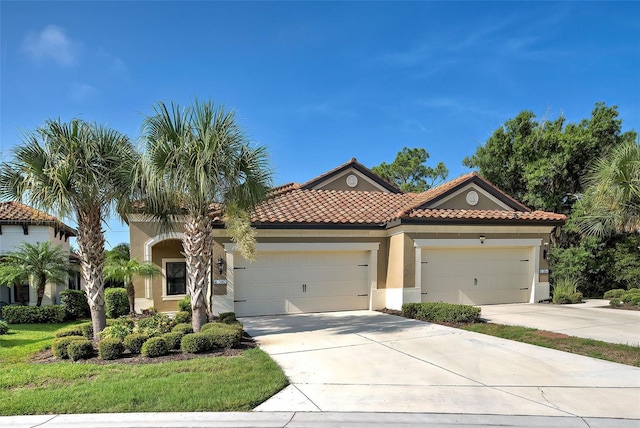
[131, 295]
[91, 251]
[198, 244]
[42, 282]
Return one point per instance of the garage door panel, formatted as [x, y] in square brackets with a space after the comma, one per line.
[476, 276]
[295, 282]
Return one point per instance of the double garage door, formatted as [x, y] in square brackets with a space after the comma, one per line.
[476, 276]
[297, 282]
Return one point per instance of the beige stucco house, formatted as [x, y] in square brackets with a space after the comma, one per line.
[349, 240]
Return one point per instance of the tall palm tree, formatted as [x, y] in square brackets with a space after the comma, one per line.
[40, 262]
[196, 159]
[120, 269]
[80, 170]
[611, 203]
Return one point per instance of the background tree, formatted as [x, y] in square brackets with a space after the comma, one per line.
[409, 172]
[198, 159]
[542, 163]
[119, 252]
[39, 262]
[80, 170]
[119, 269]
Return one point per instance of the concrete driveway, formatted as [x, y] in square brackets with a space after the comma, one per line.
[365, 361]
[592, 319]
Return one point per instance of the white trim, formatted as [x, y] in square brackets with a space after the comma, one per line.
[452, 243]
[476, 188]
[474, 229]
[148, 257]
[165, 295]
[347, 172]
[309, 246]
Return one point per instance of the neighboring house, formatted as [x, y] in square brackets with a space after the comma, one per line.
[20, 223]
[350, 240]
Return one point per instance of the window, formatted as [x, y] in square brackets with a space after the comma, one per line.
[21, 293]
[175, 277]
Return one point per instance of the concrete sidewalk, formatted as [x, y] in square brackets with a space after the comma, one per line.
[592, 319]
[298, 420]
[365, 361]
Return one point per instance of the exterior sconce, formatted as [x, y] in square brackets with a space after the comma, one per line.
[482, 238]
[220, 264]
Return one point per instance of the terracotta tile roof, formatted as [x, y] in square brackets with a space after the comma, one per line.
[437, 214]
[17, 213]
[330, 207]
[353, 163]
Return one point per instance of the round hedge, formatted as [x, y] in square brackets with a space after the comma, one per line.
[110, 348]
[195, 343]
[59, 345]
[133, 342]
[173, 339]
[4, 327]
[80, 350]
[183, 328]
[155, 347]
[182, 317]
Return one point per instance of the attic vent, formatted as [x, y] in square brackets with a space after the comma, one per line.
[472, 198]
[352, 181]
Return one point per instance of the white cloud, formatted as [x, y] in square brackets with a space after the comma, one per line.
[81, 91]
[111, 63]
[52, 43]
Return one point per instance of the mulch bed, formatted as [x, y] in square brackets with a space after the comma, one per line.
[46, 356]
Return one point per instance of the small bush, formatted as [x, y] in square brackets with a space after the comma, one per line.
[59, 345]
[195, 343]
[441, 312]
[184, 305]
[50, 314]
[116, 302]
[80, 350]
[182, 317]
[561, 298]
[118, 330]
[224, 338]
[134, 341]
[73, 330]
[183, 328]
[110, 349]
[155, 347]
[616, 293]
[173, 339]
[632, 297]
[4, 327]
[87, 329]
[615, 302]
[75, 304]
[155, 325]
[227, 317]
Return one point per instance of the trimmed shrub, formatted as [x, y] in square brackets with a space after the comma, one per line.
[155, 325]
[615, 302]
[72, 330]
[50, 314]
[441, 312]
[224, 338]
[110, 349]
[632, 297]
[155, 347]
[562, 298]
[116, 302]
[4, 327]
[227, 317]
[75, 304]
[117, 331]
[182, 317]
[616, 293]
[59, 345]
[184, 305]
[173, 339]
[195, 343]
[87, 329]
[134, 341]
[80, 350]
[183, 328]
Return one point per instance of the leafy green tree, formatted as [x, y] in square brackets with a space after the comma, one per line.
[80, 170]
[409, 172]
[40, 262]
[541, 163]
[118, 269]
[198, 160]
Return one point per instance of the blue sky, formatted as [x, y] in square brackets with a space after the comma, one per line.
[320, 82]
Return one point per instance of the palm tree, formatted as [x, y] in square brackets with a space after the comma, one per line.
[40, 261]
[196, 160]
[119, 269]
[611, 203]
[80, 170]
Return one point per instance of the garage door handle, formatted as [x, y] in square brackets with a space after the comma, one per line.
[424, 293]
[526, 288]
[239, 267]
[239, 301]
[362, 295]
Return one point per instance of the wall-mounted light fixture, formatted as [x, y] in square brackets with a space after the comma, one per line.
[482, 238]
[220, 264]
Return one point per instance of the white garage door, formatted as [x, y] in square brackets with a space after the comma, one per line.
[476, 276]
[297, 282]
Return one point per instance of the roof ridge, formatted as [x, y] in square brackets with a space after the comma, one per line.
[357, 165]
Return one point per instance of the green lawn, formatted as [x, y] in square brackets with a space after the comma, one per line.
[202, 384]
[623, 354]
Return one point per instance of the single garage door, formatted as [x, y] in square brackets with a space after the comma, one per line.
[476, 276]
[297, 282]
